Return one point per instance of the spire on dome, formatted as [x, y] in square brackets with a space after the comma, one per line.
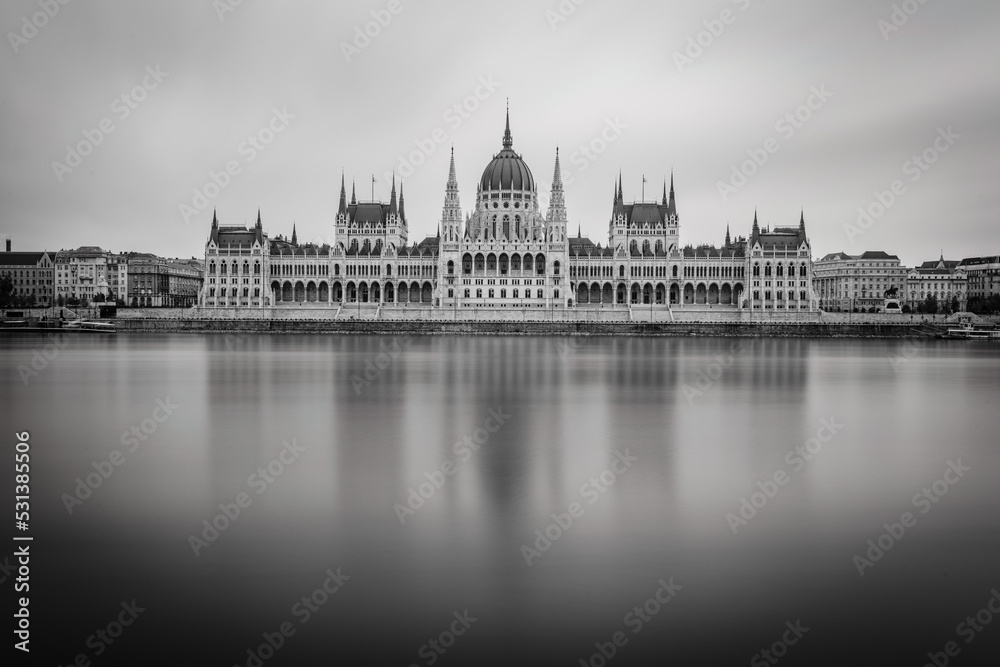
[508, 140]
[342, 209]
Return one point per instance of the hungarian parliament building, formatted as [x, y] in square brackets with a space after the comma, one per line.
[507, 254]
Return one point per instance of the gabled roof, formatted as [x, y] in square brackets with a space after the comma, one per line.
[878, 254]
[976, 261]
[580, 245]
[641, 214]
[21, 258]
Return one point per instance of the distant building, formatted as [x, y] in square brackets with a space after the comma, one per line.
[31, 274]
[156, 282]
[942, 279]
[984, 276]
[90, 273]
[845, 282]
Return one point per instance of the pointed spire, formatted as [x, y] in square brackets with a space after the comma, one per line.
[402, 205]
[664, 192]
[508, 141]
[295, 236]
[452, 176]
[258, 217]
[557, 176]
[579, 230]
[215, 219]
[728, 241]
[342, 208]
[621, 196]
[672, 204]
[393, 206]
[354, 196]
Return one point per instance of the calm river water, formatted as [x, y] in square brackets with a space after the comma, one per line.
[411, 485]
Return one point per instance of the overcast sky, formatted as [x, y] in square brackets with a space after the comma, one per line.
[609, 75]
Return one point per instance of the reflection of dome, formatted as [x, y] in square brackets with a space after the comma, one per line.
[507, 171]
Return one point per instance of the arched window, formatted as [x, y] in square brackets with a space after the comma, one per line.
[555, 268]
[756, 272]
[675, 270]
[767, 270]
[451, 268]
[336, 269]
[781, 271]
[621, 271]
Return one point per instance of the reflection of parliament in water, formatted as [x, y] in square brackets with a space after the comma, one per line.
[507, 254]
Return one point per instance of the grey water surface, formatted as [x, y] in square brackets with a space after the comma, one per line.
[509, 500]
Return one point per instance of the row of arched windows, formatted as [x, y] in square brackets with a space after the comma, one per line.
[780, 270]
[223, 268]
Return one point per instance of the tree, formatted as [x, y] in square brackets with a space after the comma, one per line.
[955, 305]
[906, 309]
[931, 304]
[6, 290]
[61, 301]
[100, 297]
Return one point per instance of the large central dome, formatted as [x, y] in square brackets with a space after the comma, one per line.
[507, 171]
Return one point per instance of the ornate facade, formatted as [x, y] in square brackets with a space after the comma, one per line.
[507, 253]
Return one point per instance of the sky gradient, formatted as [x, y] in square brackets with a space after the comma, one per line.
[622, 78]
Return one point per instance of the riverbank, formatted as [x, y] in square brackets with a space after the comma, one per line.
[362, 327]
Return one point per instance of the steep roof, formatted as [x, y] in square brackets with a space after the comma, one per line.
[878, 254]
[21, 258]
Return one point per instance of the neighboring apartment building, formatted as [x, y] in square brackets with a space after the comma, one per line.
[844, 283]
[90, 272]
[156, 282]
[943, 279]
[984, 276]
[31, 274]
